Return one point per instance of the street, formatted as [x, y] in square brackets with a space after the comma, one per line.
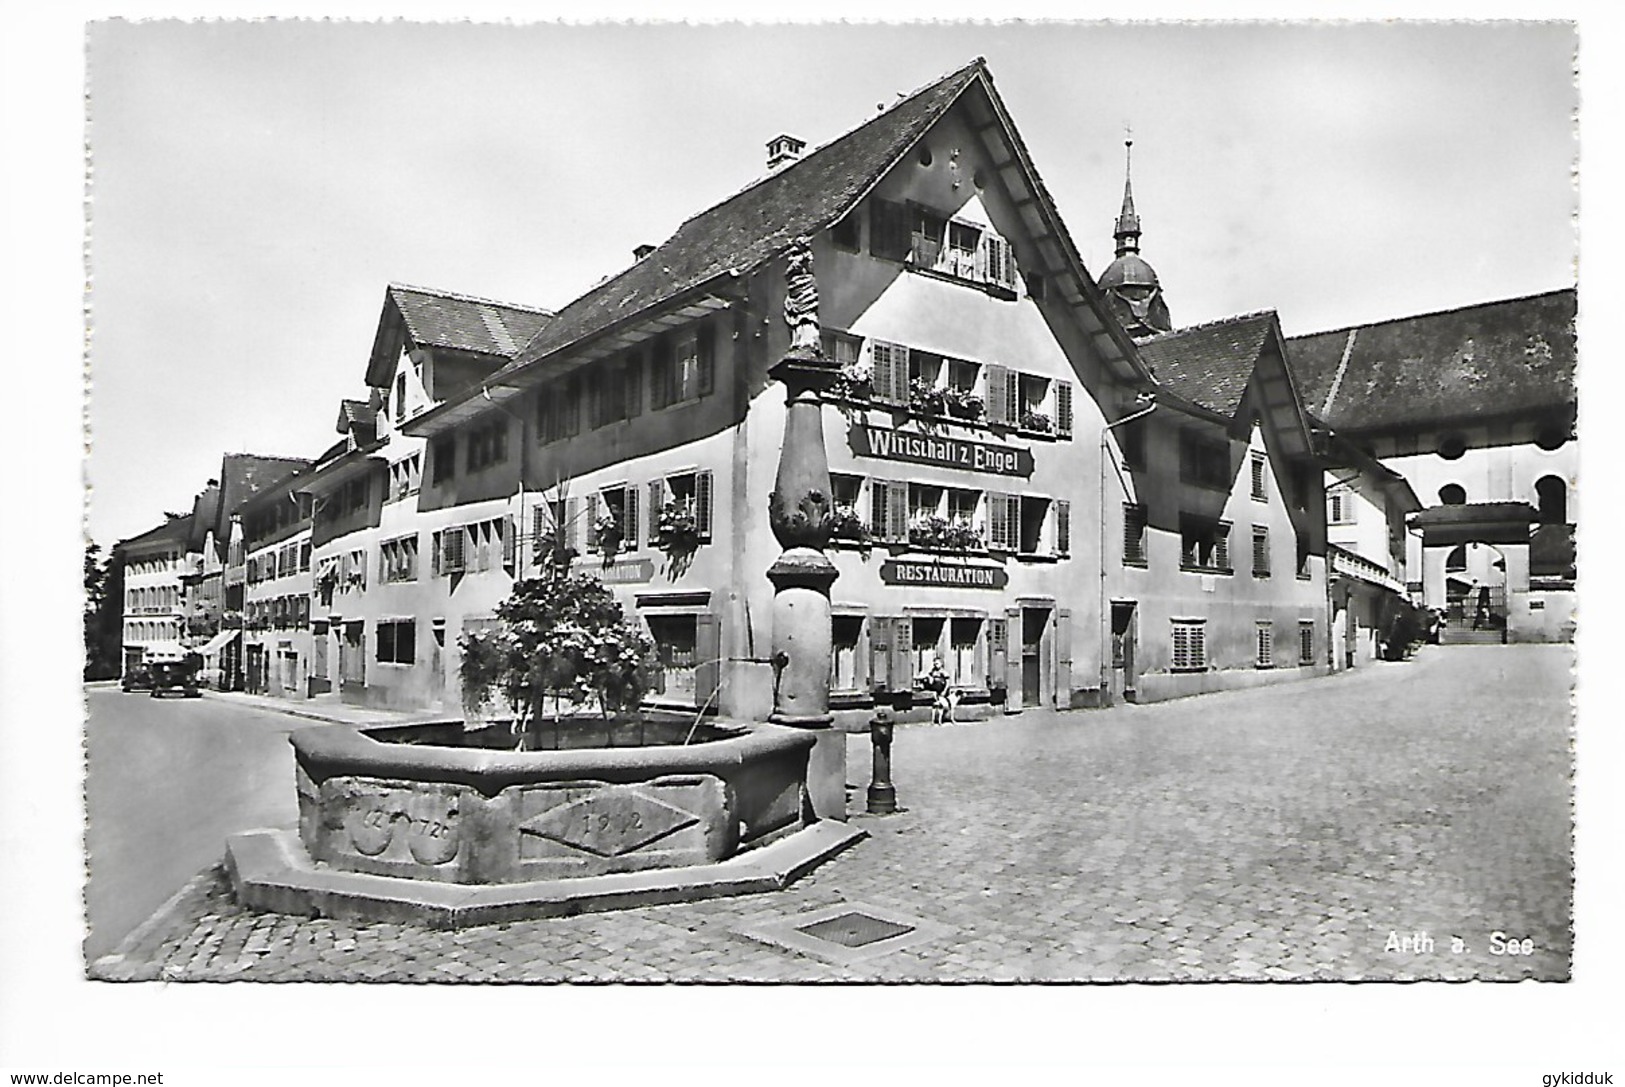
[167, 780]
[1403, 821]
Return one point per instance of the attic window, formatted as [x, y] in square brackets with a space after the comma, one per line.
[1452, 446]
[1553, 438]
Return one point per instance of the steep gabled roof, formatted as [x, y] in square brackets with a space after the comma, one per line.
[457, 322]
[174, 530]
[756, 224]
[243, 475]
[1210, 364]
[1515, 355]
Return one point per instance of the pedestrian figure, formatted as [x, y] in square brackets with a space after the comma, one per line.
[1481, 614]
[943, 699]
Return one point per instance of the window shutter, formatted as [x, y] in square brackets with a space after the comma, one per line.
[634, 386]
[998, 522]
[1063, 409]
[1221, 546]
[707, 667]
[902, 671]
[1261, 551]
[998, 393]
[1258, 476]
[1013, 503]
[657, 501]
[702, 505]
[456, 552]
[1063, 658]
[1063, 528]
[436, 555]
[877, 508]
[629, 517]
[510, 542]
[897, 511]
[883, 369]
[880, 636]
[986, 258]
[570, 406]
[592, 522]
[888, 230]
[572, 514]
[707, 361]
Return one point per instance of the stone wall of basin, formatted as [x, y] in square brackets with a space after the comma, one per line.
[461, 815]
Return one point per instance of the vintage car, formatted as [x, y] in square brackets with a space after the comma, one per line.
[177, 675]
[137, 677]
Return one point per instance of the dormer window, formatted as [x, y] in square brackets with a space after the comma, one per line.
[930, 241]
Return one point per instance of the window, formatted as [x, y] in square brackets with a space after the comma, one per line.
[1204, 461]
[570, 404]
[444, 454]
[888, 510]
[964, 665]
[1063, 528]
[684, 367]
[889, 372]
[676, 645]
[845, 630]
[1306, 641]
[552, 405]
[1266, 644]
[488, 445]
[400, 396]
[632, 386]
[450, 551]
[923, 501]
[1303, 557]
[1004, 512]
[1030, 530]
[688, 494]
[1032, 404]
[397, 641]
[1552, 494]
[1204, 544]
[1260, 467]
[1340, 505]
[612, 513]
[1133, 534]
[1131, 441]
[398, 559]
[889, 234]
[1189, 645]
[405, 477]
[926, 638]
[1261, 551]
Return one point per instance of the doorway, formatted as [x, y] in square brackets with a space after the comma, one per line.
[1034, 623]
[1124, 634]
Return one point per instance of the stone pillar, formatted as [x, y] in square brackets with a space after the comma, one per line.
[799, 513]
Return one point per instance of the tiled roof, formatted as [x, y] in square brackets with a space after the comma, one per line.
[464, 323]
[174, 530]
[243, 475]
[1515, 355]
[755, 225]
[1210, 364]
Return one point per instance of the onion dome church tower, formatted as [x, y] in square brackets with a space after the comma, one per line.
[1129, 282]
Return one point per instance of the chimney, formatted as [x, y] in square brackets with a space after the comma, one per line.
[641, 251]
[783, 149]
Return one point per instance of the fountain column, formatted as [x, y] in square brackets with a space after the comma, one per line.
[799, 513]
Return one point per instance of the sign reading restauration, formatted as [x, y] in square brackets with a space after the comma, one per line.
[943, 574]
[885, 444]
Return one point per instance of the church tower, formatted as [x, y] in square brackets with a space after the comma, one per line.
[1130, 283]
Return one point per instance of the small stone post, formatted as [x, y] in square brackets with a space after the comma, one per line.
[882, 795]
[799, 513]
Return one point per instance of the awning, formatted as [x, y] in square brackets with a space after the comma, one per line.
[216, 643]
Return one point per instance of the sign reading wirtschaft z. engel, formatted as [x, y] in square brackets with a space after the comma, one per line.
[884, 444]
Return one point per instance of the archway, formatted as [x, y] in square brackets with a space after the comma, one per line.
[1553, 496]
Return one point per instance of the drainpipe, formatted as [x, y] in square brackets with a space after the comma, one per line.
[1150, 402]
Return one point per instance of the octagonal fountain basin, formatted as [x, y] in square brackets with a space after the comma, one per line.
[431, 802]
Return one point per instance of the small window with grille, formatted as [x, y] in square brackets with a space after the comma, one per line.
[1306, 642]
[1189, 645]
[1266, 644]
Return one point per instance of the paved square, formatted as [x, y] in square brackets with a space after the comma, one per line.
[1339, 828]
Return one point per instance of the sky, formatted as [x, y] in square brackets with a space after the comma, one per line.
[255, 186]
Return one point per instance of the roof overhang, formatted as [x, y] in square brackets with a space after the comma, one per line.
[515, 379]
[335, 473]
[1479, 522]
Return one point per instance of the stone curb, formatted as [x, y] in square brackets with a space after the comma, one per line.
[270, 870]
[132, 959]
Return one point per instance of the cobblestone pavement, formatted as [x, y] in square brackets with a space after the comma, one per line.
[1277, 833]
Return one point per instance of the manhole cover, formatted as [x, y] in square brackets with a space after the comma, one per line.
[855, 929]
